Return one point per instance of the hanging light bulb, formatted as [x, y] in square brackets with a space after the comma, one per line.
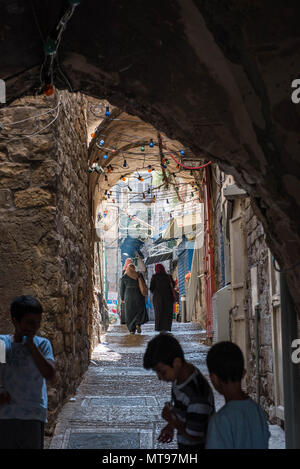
[181, 152]
[178, 167]
[50, 47]
[142, 148]
[125, 164]
[123, 178]
[107, 113]
[151, 144]
[167, 201]
[144, 196]
[93, 135]
[101, 143]
[167, 161]
[191, 173]
[105, 178]
[164, 166]
[154, 199]
[150, 168]
[105, 156]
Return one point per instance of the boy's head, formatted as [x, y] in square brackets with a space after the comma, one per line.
[26, 314]
[165, 356]
[225, 363]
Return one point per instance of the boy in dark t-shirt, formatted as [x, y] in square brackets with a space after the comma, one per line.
[192, 398]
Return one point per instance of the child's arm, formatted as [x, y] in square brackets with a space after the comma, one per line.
[166, 435]
[172, 420]
[46, 367]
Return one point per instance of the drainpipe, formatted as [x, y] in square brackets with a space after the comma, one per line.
[257, 347]
[291, 371]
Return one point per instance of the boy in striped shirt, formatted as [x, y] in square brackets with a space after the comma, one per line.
[192, 401]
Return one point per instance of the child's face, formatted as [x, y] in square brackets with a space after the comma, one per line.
[165, 372]
[28, 325]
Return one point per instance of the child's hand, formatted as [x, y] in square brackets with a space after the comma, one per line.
[167, 413]
[5, 398]
[29, 340]
[166, 435]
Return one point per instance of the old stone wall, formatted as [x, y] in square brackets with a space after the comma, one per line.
[258, 287]
[45, 228]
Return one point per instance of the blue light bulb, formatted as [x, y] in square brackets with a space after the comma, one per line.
[181, 152]
[124, 164]
[101, 143]
[151, 144]
[105, 156]
[107, 113]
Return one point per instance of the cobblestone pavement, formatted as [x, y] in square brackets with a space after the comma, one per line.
[118, 403]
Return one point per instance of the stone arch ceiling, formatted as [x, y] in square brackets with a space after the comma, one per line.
[124, 134]
[215, 76]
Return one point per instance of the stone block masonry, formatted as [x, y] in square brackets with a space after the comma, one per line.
[257, 253]
[45, 228]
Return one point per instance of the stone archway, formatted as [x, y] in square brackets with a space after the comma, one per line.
[215, 77]
[210, 75]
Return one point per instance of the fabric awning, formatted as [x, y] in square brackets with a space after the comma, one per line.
[159, 258]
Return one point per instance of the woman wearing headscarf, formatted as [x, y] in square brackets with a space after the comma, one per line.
[122, 308]
[161, 286]
[134, 301]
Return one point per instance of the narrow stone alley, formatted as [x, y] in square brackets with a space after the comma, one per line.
[118, 403]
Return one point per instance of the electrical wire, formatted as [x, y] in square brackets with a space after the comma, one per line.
[188, 167]
[35, 133]
[33, 117]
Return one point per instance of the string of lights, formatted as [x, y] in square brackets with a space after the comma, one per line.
[51, 46]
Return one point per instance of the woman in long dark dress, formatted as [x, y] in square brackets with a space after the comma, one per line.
[163, 299]
[122, 308]
[135, 306]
